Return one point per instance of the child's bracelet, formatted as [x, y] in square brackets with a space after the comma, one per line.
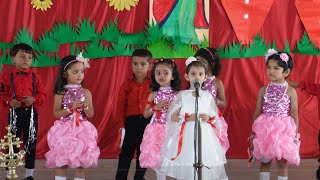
[151, 106]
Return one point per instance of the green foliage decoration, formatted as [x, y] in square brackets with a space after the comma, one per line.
[305, 46]
[24, 36]
[64, 33]
[111, 31]
[47, 43]
[86, 30]
[111, 41]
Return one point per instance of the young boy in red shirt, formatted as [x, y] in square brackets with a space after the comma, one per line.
[22, 90]
[132, 99]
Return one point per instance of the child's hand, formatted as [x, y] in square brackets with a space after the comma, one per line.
[84, 105]
[192, 117]
[204, 117]
[77, 104]
[28, 100]
[251, 137]
[123, 133]
[161, 104]
[296, 139]
[15, 103]
[293, 83]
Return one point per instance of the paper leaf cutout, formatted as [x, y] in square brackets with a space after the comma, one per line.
[86, 30]
[111, 32]
[64, 33]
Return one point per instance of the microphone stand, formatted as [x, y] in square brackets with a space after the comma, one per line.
[197, 140]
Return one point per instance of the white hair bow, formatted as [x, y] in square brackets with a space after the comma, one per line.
[190, 60]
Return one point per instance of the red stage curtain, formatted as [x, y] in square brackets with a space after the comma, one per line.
[281, 24]
[242, 77]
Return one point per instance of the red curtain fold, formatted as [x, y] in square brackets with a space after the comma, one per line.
[247, 17]
[282, 23]
[310, 16]
[242, 77]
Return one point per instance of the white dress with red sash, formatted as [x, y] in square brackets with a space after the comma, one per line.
[178, 148]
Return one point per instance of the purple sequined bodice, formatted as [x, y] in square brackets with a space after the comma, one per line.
[164, 94]
[72, 93]
[208, 85]
[276, 101]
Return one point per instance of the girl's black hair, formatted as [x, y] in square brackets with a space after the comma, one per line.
[175, 83]
[62, 76]
[211, 55]
[285, 65]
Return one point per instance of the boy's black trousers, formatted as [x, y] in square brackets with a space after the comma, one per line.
[22, 124]
[134, 126]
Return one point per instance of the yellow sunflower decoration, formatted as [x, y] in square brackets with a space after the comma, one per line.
[119, 5]
[41, 4]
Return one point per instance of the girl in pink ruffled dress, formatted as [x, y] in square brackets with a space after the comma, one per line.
[275, 127]
[165, 84]
[72, 139]
[215, 87]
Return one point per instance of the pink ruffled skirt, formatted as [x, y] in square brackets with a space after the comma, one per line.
[72, 146]
[150, 147]
[275, 139]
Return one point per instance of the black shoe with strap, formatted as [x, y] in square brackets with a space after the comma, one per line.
[29, 178]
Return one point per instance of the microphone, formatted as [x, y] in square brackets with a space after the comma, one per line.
[196, 84]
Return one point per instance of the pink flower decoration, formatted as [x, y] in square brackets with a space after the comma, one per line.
[80, 58]
[269, 53]
[284, 57]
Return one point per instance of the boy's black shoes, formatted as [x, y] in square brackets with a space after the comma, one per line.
[29, 178]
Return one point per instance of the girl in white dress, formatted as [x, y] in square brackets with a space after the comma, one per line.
[178, 148]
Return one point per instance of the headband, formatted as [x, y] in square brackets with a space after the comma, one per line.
[79, 58]
[209, 52]
[283, 56]
[162, 59]
[192, 59]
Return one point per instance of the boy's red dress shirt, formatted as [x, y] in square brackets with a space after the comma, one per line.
[132, 99]
[23, 87]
